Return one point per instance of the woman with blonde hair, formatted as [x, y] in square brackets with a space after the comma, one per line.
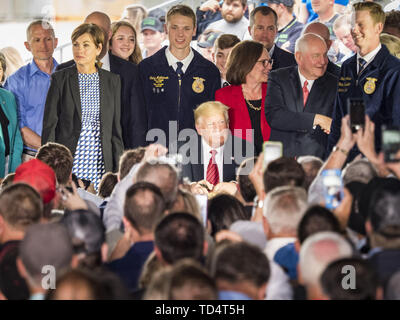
[13, 60]
[124, 42]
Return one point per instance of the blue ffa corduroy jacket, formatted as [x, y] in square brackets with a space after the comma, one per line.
[378, 85]
[168, 100]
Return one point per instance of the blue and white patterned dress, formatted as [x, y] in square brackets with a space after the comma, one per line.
[88, 159]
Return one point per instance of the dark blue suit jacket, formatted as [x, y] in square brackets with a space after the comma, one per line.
[235, 151]
[133, 113]
[282, 58]
[291, 122]
[168, 101]
[378, 85]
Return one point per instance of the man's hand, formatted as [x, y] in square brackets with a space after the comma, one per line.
[324, 122]
[366, 140]
[347, 139]
[201, 187]
[256, 176]
[72, 201]
[226, 187]
[154, 150]
[228, 235]
[210, 5]
[343, 211]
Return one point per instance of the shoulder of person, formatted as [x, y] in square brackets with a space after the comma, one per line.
[202, 62]
[6, 94]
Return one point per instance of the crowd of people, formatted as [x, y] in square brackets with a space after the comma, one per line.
[140, 170]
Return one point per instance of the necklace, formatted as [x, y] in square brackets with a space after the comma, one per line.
[249, 103]
[252, 106]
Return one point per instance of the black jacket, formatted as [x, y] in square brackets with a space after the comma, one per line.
[290, 122]
[62, 121]
[133, 113]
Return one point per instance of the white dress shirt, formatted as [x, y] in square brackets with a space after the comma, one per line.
[106, 62]
[303, 79]
[219, 158]
[172, 60]
[368, 57]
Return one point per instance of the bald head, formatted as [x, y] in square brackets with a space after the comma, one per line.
[320, 29]
[306, 41]
[103, 21]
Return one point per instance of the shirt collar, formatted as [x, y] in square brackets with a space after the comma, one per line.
[33, 67]
[207, 148]
[271, 52]
[303, 79]
[106, 62]
[172, 60]
[370, 56]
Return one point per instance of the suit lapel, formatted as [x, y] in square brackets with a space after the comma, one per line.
[315, 98]
[104, 98]
[228, 160]
[198, 167]
[296, 89]
[75, 92]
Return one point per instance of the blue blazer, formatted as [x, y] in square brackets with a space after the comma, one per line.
[7, 103]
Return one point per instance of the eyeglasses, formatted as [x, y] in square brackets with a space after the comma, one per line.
[266, 62]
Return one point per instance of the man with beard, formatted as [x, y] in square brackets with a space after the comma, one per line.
[233, 20]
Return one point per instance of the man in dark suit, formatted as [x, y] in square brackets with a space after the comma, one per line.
[133, 112]
[212, 156]
[263, 28]
[299, 102]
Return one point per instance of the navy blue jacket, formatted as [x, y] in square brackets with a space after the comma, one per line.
[166, 100]
[133, 113]
[379, 87]
[282, 58]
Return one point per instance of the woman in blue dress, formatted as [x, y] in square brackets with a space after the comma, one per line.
[83, 109]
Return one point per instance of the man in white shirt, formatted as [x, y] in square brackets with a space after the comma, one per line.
[212, 156]
[300, 100]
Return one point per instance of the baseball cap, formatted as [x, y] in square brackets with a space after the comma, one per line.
[209, 40]
[151, 23]
[39, 176]
[287, 3]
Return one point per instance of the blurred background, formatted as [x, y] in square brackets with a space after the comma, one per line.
[65, 15]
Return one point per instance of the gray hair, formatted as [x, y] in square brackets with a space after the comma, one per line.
[360, 170]
[284, 208]
[43, 23]
[302, 42]
[318, 251]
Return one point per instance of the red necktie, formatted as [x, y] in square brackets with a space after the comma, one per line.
[305, 93]
[212, 169]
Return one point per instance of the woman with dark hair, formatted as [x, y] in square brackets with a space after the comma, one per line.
[83, 109]
[222, 211]
[247, 71]
[124, 42]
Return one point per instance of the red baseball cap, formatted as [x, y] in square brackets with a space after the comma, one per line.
[39, 176]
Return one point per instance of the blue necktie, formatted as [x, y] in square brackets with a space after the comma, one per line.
[361, 64]
[179, 69]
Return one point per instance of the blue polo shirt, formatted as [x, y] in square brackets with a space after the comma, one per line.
[30, 85]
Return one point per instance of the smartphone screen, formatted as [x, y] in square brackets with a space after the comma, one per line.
[390, 143]
[357, 114]
[272, 150]
[333, 188]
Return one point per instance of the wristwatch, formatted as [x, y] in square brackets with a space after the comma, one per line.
[336, 148]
